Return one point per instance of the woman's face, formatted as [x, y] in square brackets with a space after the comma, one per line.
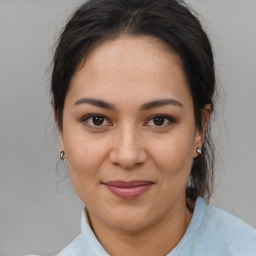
[129, 133]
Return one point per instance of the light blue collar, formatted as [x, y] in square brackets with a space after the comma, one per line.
[94, 247]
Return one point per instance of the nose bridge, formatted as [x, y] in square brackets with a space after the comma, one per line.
[128, 149]
[127, 137]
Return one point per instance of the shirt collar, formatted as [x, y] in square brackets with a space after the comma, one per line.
[93, 246]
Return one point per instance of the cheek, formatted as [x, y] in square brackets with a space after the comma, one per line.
[84, 158]
[174, 164]
[84, 152]
[174, 155]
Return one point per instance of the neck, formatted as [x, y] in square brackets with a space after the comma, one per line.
[158, 239]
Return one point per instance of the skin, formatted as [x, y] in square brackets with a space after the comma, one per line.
[127, 73]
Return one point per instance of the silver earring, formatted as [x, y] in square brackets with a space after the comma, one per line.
[62, 158]
[199, 151]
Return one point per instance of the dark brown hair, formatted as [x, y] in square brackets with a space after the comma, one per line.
[168, 20]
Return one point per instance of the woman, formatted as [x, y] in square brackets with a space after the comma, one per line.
[133, 85]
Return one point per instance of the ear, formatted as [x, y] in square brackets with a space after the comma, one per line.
[59, 131]
[61, 141]
[200, 133]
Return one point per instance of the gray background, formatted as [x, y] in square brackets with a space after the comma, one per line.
[39, 210]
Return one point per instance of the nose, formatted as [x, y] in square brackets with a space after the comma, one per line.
[127, 149]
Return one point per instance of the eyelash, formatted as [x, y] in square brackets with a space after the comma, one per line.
[88, 117]
[169, 119]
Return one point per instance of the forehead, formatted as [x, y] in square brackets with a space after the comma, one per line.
[137, 67]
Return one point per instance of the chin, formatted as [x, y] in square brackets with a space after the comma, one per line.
[131, 225]
[130, 221]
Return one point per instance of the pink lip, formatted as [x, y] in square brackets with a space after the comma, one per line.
[128, 190]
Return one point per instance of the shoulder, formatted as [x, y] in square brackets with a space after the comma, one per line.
[228, 224]
[75, 248]
[215, 232]
[222, 230]
[83, 246]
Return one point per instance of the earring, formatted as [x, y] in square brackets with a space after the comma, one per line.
[199, 151]
[62, 158]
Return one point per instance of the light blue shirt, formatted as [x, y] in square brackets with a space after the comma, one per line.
[211, 232]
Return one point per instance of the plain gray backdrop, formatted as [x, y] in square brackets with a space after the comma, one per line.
[39, 210]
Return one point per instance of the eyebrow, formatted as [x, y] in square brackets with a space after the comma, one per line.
[146, 106]
[160, 103]
[95, 102]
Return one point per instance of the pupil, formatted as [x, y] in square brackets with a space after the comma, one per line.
[98, 120]
[158, 120]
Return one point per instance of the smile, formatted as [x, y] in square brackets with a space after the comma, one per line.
[128, 190]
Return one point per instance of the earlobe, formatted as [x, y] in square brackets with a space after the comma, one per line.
[62, 156]
[62, 149]
[61, 140]
[59, 131]
[199, 151]
[200, 133]
[198, 142]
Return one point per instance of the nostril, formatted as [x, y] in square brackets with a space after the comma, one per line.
[127, 160]
[127, 149]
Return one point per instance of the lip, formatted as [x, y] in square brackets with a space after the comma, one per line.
[130, 189]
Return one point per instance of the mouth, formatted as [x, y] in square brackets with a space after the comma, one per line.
[128, 190]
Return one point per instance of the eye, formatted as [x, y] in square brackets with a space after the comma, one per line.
[160, 121]
[96, 121]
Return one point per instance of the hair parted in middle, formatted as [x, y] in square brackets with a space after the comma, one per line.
[171, 21]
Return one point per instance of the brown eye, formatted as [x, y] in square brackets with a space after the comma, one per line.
[159, 120]
[96, 121]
